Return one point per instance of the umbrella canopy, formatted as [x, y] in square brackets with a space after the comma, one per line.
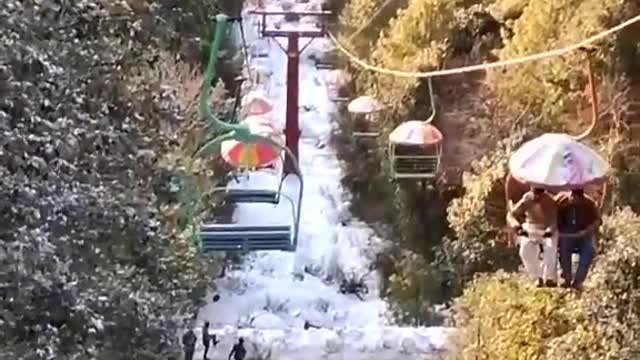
[338, 78]
[256, 102]
[557, 162]
[365, 105]
[255, 154]
[415, 132]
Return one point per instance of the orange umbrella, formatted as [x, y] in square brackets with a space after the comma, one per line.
[256, 154]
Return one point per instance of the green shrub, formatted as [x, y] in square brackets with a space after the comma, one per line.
[477, 218]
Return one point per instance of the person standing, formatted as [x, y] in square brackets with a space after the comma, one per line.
[206, 339]
[534, 219]
[578, 221]
[189, 340]
[238, 351]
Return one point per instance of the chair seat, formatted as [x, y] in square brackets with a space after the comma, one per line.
[232, 237]
[251, 196]
[415, 166]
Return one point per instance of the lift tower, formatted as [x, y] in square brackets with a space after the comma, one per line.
[293, 51]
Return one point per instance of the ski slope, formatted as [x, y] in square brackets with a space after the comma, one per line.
[262, 301]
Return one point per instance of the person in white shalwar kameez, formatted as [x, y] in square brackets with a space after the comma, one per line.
[534, 220]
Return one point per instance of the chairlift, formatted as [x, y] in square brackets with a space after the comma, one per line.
[514, 189]
[415, 147]
[362, 109]
[248, 238]
[364, 127]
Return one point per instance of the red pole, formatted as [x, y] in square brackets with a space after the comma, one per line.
[292, 130]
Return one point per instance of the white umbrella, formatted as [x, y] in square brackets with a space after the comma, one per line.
[256, 102]
[557, 162]
[338, 78]
[365, 105]
[415, 132]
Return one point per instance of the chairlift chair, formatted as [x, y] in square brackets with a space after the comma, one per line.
[361, 110]
[415, 147]
[364, 128]
[410, 161]
[247, 238]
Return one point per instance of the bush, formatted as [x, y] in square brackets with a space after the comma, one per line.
[477, 219]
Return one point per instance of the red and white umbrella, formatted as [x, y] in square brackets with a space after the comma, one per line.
[415, 132]
[256, 102]
[557, 162]
[256, 154]
[365, 105]
[338, 78]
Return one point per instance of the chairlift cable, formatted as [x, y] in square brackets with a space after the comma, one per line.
[502, 63]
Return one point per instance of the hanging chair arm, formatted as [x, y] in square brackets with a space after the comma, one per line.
[592, 93]
[432, 102]
[298, 174]
[211, 75]
[212, 145]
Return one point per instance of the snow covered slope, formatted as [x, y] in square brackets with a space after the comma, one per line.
[262, 301]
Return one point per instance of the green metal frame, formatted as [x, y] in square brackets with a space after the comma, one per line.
[403, 166]
[230, 130]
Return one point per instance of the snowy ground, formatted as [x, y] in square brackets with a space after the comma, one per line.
[262, 301]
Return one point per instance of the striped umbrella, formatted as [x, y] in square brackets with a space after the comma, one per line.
[256, 103]
[557, 162]
[415, 132]
[256, 154]
[365, 105]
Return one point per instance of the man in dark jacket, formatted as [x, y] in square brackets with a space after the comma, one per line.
[189, 344]
[238, 351]
[578, 222]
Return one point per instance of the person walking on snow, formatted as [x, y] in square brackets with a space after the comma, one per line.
[578, 221]
[534, 220]
[207, 339]
[238, 351]
[189, 344]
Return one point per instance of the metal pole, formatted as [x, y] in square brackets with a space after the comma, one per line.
[292, 130]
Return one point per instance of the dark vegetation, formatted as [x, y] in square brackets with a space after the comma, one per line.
[97, 123]
[449, 238]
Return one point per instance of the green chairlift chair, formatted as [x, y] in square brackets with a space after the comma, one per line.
[247, 238]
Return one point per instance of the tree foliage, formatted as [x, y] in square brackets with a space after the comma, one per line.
[94, 262]
[554, 86]
[416, 39]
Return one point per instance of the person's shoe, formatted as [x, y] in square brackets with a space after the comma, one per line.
[577, 287]
[540, 283]
[565, 284]
[550, 283]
